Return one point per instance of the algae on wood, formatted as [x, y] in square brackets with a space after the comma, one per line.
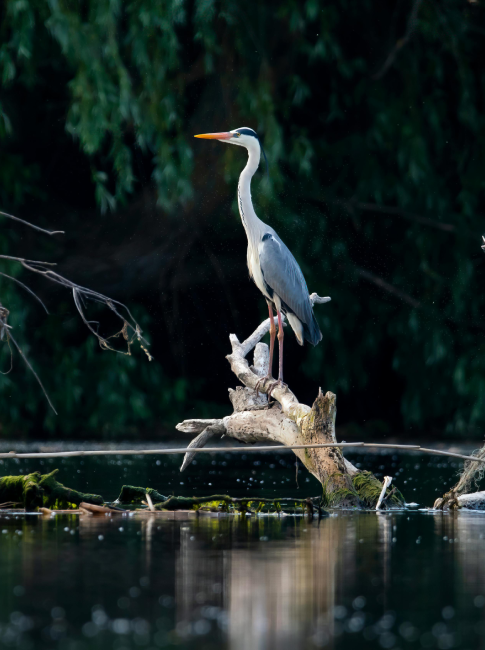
[36, 490]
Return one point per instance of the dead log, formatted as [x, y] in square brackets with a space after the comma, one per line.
[99, 510]
[289, 423]
[37, 490]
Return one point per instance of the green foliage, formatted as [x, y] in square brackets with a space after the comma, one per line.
[346, 140]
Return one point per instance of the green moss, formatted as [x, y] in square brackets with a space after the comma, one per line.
[335, 498]
[24, 490]
[132, 495]
[36, 489]
[369, 488]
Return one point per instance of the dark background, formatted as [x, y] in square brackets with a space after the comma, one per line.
[372, 117]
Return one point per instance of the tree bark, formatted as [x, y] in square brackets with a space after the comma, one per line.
[287, 422]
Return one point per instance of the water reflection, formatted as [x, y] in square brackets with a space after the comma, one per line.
[366, 580]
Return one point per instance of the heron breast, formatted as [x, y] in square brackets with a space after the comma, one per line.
[257, 275]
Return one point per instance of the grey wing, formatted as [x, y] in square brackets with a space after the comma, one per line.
[283, 276]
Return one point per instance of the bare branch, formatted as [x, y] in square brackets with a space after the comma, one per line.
[396, 212]
[390, 288]
[404, 214]
[24, 286]
[28, 364]
[31, 225]
[401, 42]
[201, 440]
[79, 292]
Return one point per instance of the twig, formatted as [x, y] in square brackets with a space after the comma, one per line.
[150, 502]
[31, 225]
[79, 293]
[398, 212]
[385, 485]
[24, 286]
[243, 450]
[401, 42]
[387, 286]
[28, 364]
[389, 495]
[101, 510]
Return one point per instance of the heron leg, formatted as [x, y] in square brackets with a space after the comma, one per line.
[281, 335]
[272, 336]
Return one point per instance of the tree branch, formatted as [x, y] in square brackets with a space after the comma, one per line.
[401, 42]
[398, 212]
[390, 288]
[79, 293]
[31, 225]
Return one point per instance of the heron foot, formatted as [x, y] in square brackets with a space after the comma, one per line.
[273, 385]
[263, 380]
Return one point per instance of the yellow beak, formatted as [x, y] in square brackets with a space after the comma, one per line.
[215, 136]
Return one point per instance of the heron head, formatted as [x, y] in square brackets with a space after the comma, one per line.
[243, 137]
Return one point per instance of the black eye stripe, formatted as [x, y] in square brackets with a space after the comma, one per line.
[248, 132]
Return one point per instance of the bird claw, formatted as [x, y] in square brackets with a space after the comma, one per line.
[273, 385]
[263, 380]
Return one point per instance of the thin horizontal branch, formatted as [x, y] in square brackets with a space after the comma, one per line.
[478, 326]
[241, 450]
[404, 214]
[398, 212]
[390, 288]
[196, 426]
[31, 225]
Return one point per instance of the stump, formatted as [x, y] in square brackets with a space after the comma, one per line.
[289, 423]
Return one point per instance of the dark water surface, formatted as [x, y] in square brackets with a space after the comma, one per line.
[408, 579]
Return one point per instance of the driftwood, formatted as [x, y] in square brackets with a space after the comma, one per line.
[459, 495]
[289, 423]
[49, 497]
[99, 510]
[131, 495]
[42, 490]
[241, 504]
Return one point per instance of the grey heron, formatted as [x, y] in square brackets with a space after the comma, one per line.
[271, 265]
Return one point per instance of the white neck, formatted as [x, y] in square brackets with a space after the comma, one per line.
[249, 218]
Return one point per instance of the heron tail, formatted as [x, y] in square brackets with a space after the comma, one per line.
[312, 332]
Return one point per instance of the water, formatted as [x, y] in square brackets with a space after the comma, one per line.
[398, 580]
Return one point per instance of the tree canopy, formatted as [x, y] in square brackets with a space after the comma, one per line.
[372, 117]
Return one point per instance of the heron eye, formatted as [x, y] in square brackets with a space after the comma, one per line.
[238, 134]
